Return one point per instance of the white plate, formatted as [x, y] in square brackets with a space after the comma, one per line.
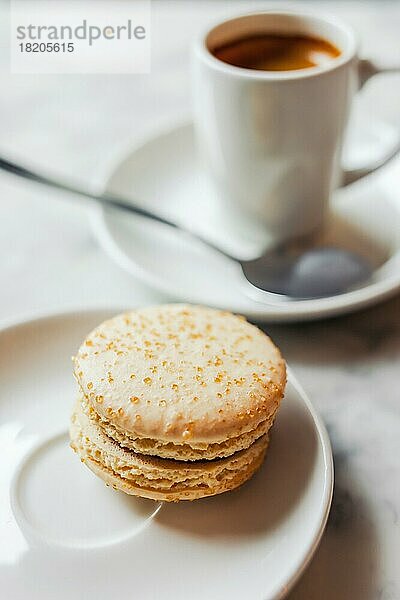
[65, 535]
[163, 173]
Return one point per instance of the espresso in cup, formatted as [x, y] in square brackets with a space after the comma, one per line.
[275, 52]
[270, 133]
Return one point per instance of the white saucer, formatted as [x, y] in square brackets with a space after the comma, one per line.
[65, 535]
[163, 173]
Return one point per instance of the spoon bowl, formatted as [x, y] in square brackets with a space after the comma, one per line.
[303, 275]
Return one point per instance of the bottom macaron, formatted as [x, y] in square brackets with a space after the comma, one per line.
[159, 478]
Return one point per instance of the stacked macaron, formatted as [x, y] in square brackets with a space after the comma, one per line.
[175, 401]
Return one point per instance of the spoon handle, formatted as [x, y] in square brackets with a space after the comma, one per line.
[104, 199]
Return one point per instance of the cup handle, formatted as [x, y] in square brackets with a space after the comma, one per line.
[366, 70]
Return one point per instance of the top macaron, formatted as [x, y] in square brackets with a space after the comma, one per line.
[180, 375]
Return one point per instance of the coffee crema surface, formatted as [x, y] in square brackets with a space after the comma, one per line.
[276, 52]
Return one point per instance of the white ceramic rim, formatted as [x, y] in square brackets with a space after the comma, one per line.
[34, 533]
[348, 51]
[287, 311]
[326, 500]
[328, 490]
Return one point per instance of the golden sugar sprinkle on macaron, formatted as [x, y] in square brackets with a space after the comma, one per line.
[196, 383]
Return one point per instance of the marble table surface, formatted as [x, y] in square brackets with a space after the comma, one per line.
[50, 260]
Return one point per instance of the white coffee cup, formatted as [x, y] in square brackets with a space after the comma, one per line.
[272, 140]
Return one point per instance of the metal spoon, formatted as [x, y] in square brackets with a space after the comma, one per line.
[300, 273]
[305, 274]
